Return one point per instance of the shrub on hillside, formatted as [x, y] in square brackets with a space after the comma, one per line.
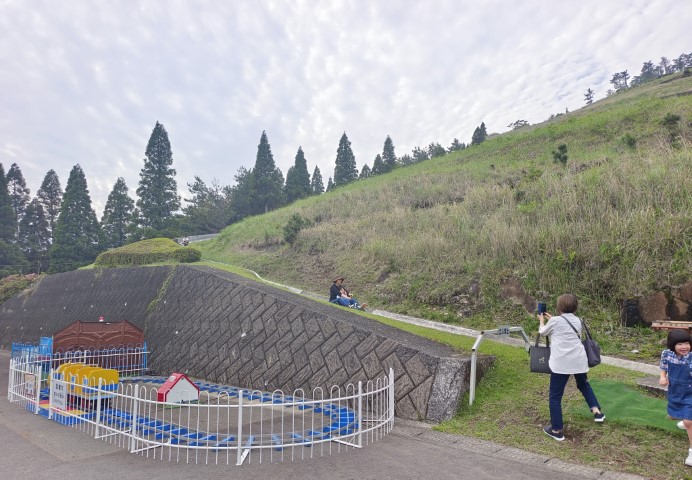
[295, 224]
[13, 284]
[187, 255]
[146, 252]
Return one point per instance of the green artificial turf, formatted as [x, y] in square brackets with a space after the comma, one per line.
[628, 405]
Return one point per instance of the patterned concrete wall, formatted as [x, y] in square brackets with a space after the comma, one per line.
[225, 328]
[58, 300]
[229, 329]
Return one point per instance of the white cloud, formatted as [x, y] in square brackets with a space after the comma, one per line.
[86, 82]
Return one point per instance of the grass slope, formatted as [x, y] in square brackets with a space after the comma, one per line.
[615, 222]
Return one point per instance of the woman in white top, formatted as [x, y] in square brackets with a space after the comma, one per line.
[567, 357]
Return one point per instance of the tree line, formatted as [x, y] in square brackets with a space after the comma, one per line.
[58, 231]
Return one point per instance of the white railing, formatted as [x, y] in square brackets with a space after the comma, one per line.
[226, 425]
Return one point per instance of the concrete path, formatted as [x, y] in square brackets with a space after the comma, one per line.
[34, 447]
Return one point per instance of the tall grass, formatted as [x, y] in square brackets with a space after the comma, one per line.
[616, 222]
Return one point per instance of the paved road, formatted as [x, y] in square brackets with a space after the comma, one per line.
[33, 447]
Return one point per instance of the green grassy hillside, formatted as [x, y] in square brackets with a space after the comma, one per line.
[436, 239]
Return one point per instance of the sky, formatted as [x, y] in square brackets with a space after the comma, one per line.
[85, 81]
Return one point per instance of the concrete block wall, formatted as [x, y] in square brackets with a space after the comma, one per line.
[58, 300]
[225, 328]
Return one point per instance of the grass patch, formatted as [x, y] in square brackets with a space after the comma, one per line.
[511, 408]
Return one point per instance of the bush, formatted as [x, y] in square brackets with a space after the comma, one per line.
[295, 224]
[187, 255]
[560, 156]
[629, 140]
[12, 285]
[146, 252]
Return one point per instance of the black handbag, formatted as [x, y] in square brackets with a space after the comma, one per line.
[593, 350]
[539, 355]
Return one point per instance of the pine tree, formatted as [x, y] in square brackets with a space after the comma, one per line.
[240, 195]
[365, 172]
[117, 216]
[77, 236]
[34, 239]
[158, 197]
[345, 170]
[8, 220]
[378, 167]
[388, 155]
[588, 96]
[479, 135]
[209, 207]
[330, 185]
[298, 179]
[316, 184]
[456, 145]
[268, 181]
[50, 197]
[19, 193]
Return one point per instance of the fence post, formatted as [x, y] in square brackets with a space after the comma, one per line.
[391, 397]
[360, 413]
[133, 429]
[51, 386]
[37, 388]
[12, 383]
[98, 407]
[240, 427]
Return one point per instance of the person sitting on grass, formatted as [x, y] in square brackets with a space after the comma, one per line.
[339, 295]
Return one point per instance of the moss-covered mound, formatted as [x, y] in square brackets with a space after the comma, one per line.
[146, 252]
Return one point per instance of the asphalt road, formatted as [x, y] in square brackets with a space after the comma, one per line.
[33, 447]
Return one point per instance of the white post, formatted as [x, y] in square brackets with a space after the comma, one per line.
[10, 384]
[391, 397]
[472, 384]
[133, 430]
[50, 393]
[360, 413]
[37, 388]
[98, 407]
[240, 427]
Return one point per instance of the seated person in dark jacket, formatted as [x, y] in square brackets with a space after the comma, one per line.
[339, 295]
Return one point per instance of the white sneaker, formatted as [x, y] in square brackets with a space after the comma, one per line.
[681, 425]
[688, 460]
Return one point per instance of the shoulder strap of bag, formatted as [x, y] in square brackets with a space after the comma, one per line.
[570, 324]
[538, 338]
[586, 329]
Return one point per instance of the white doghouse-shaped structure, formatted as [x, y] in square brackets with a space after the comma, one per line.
[177, 389]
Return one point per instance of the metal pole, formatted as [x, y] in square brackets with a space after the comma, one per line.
[133, 429]
[360, 413]
[391, 398]
[474, 359]
[98, 407]
[37, 391]
[240, 427]
[51, 386]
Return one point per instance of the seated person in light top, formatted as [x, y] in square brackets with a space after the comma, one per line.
[339, 295]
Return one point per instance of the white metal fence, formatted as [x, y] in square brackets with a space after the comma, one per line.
[226, 425]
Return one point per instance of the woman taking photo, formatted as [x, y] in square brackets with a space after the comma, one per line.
[567, 357]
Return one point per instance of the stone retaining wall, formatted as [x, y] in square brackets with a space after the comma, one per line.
[228, 329]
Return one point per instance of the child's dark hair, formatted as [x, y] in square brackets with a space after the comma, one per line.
[677, 335]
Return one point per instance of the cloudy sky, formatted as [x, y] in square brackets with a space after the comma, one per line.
[84, 82]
